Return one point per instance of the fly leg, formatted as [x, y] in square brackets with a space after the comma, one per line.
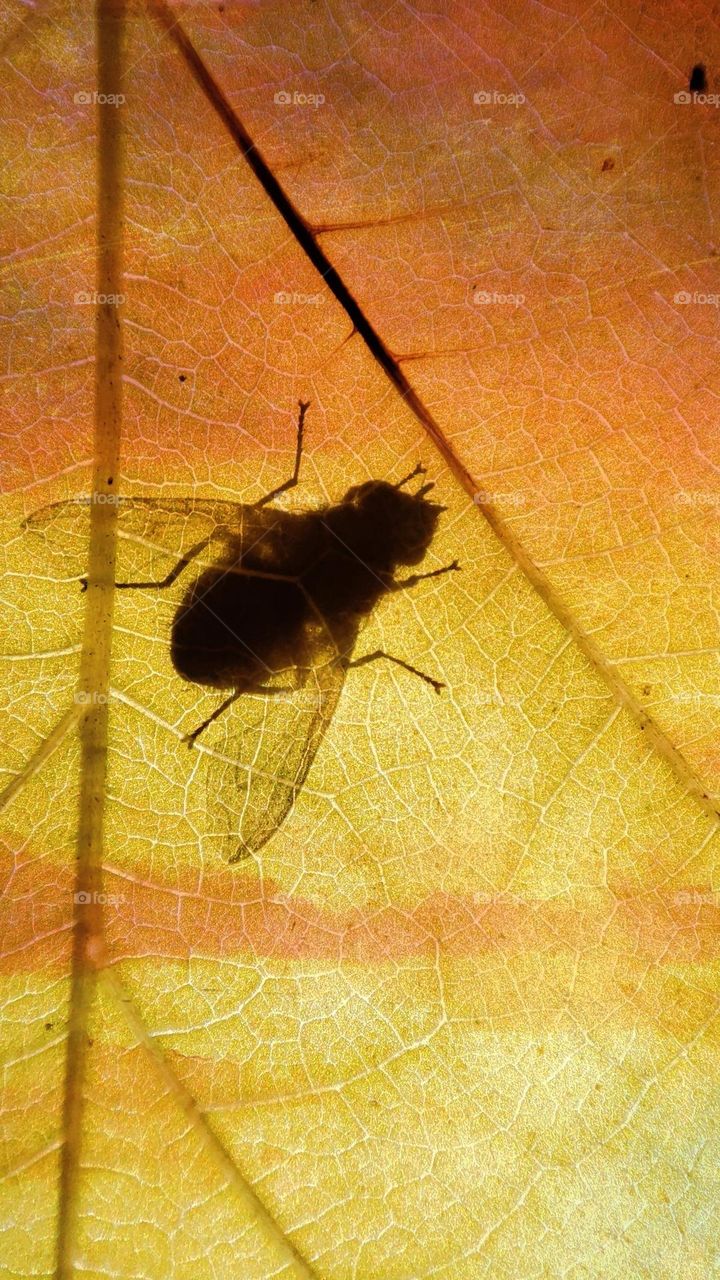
[399, 584]
[304, 405]
[168, 580]
[380, 653]
[190, 738]
[419, 470]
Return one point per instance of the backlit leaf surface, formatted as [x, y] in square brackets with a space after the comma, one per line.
[458, 1017]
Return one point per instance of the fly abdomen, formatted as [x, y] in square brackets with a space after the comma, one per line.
[233, 631]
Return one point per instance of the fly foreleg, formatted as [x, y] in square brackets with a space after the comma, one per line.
[290, 484]
[399, 584]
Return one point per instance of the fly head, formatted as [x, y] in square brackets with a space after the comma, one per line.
[388, 526]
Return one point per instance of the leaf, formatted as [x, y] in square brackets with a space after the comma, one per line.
[457, 1017]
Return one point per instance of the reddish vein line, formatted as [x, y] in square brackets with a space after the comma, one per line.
[306, 238]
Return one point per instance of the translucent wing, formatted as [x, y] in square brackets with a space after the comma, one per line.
[261, 750]
[262, 754]
[160, 528]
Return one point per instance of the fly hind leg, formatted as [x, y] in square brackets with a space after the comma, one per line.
[268, 690]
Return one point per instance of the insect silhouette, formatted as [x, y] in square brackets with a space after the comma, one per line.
[276, 613]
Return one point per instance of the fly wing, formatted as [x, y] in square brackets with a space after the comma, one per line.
[264, 745]
[153, 532]
[260, 761]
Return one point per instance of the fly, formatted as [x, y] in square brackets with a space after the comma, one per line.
[277, 612]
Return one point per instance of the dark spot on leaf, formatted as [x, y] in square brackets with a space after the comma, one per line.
[183, 377]
[647, 689]
[49, 1026]
[698, 79]
[607, 164]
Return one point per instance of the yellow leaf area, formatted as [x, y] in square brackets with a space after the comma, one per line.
[457, 1018]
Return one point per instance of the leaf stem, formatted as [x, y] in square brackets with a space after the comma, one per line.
[88, 946]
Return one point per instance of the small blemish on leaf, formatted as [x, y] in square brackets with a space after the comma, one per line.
[698, 79]
[182, 377]
[647, 689]
[607, 164]
[49, 1026]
